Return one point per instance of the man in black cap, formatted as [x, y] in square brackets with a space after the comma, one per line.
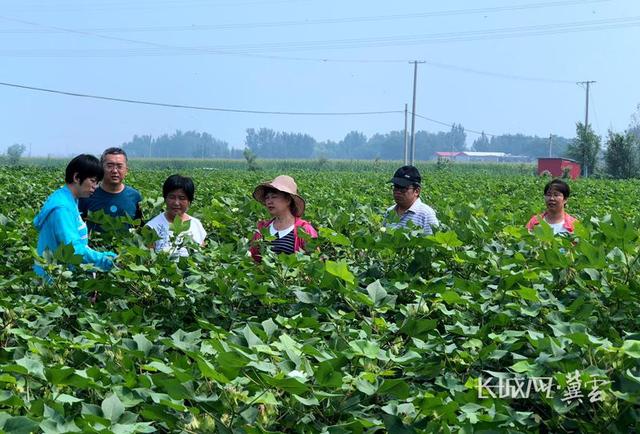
[406, 193]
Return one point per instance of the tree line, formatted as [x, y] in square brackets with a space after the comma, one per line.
[267, 143]
[619, 157]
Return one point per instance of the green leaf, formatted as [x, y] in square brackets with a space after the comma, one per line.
[394, 425]
[452, 297]
[112, 408]
[143, 343]
[250, 337]
[67, 399]
[340, 270]
[529, 294]
[377, 293]
[327, 376]
[313, 401]
[269, 327]
[365, 348]
[395, 387]
[365, 387]
[290, 385]
[447, 239]
[33, 366]
[417, 328]
[19, 425]
[334, 237]
[631, 348]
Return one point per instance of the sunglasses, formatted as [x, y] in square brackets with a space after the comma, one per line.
[400, 188]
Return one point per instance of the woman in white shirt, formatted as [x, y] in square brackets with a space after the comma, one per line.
[178, 192]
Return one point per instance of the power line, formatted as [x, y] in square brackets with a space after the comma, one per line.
[218, 109]
[191, 107]
[123, 6]
[319, 21]
[497, 74]
[451, 125]
[197, 51]
[254, 49]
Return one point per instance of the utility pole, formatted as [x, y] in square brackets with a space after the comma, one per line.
[550, 144]
[586, 106]
[405, 136]
[413, 113]
[586, 118]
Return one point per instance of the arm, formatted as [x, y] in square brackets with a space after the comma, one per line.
[431, 223]
[254, 250]
[67, 230]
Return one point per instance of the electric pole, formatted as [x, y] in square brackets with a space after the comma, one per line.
[586, 106]
[413, 113]
[405, 136]
[550, 144]
[586, 118]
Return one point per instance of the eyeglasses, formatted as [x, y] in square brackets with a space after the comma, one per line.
[400, 188]
[118, 166]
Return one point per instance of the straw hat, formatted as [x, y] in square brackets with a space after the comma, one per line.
[285, 184]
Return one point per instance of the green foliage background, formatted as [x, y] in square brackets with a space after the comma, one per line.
[374, 331]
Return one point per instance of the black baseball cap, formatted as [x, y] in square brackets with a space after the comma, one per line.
[406, 176]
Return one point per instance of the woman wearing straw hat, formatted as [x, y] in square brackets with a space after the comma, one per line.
[281, 199]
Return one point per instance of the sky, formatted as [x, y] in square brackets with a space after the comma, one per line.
[491, 65]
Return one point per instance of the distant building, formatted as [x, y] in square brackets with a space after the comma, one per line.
[492, 157]
[447, 155]
[556, 166]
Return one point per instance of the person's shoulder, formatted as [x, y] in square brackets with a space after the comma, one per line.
[534, 220]
[423, 208]
[196, 222]
[130, 191]
[158, 220]
[263, 223]
[97, 194]
[306, 226]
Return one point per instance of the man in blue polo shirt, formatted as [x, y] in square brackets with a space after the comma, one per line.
[112, 196]
[406, 193]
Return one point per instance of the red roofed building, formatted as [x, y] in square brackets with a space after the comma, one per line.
[556, 166]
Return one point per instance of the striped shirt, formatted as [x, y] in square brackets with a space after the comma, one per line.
[419, 213]
[285, 240]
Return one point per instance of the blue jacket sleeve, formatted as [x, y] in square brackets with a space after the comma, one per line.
[68, 230]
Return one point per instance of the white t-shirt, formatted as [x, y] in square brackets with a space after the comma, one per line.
[161, 225]
[558, 228]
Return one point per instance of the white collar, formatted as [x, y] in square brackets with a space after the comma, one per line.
[281, 233]
[417, 203]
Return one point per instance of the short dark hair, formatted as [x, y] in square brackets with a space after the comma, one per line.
[85, 166]
[558, 185]
[113, 151]
[178, 182]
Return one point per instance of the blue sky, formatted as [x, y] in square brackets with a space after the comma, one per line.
[311, 56]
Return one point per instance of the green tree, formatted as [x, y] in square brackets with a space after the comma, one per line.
[620, 157]
[585, 148]
[482, 144]
[634, 127]
[14, 153]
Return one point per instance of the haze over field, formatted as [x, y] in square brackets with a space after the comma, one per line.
[493, 66]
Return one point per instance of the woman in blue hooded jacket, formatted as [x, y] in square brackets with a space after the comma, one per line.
[59, 221]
